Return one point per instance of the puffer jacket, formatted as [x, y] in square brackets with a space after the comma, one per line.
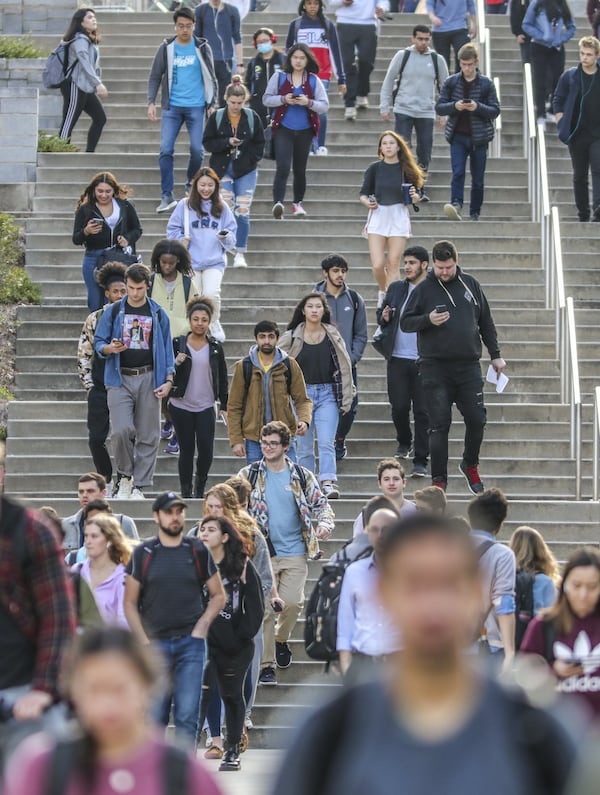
[488, 107]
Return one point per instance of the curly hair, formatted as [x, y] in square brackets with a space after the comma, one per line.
[176, 249]
[120, 548]
[88, 195]
[111, 272]
[410, 169]
[230, 505]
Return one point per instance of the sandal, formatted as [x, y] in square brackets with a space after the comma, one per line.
[244, 741]
[214, 752]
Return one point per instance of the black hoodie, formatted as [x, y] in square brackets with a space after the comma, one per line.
[459, 339]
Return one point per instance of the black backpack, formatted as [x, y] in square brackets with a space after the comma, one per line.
[247, 370]
[524, 609]
[175, 768]
[320, 628]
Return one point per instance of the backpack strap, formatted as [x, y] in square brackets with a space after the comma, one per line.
[151, 285]
[148, 551]
[189, 542]
[253, 473]
[549, 634]
[187, 286]
[436, 68]
[60, 766]
[398, 78]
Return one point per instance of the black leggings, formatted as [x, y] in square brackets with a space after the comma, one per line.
[547, 64]
[74, 102]
[291, 151]
[98, 422]
[227, 672]
[194, 429]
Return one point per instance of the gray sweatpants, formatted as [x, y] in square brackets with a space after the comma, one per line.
[135, 422]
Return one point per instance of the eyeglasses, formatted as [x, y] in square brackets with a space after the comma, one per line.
[269, 445]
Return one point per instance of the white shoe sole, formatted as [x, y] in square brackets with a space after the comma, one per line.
[451, 212]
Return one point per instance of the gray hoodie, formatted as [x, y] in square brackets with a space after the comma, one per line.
[86, 57]
[350, 319]
[279, 357]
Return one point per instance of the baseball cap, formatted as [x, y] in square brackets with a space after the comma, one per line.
[167, 500]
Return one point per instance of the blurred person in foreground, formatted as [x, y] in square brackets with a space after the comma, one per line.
[434, 723]
[110, 679]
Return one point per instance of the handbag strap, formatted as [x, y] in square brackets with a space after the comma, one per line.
[186, 219]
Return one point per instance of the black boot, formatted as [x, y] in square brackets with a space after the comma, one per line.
[231, 758]
[186, 491]
[199, 484]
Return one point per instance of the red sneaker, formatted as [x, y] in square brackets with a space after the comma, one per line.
[440, 484]
[472, 477]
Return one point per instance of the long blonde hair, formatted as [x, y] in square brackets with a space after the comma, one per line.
[233, 511]
[120, 547]
[533, 554]
[410, 167]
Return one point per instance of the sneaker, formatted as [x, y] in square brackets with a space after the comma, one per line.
[173, 447]
[137, 493]
[596, 215]
[419, 471]
[350, 114]
[584, 217]
[248, 723]
[267, 676]
[424, 197]
[472, 477]
[474, 217]
[362, 103]
[440, 484]
[551, 118]
[109, 490]
[239, 261]
[231, 760]
[216, 330]
[283, 655]
[322, 151]
[403, 452]
[278, 211]
[331, 491]
[167, 430]
[214, 752]
[542, 124]
[166, 203]
[298, 210]
[341, 451]
[452, 211]
[125, 487]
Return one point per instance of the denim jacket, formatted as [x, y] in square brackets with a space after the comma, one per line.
[541, 30]
[162, 345]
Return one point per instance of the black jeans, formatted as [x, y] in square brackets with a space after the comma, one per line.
[585, 156]
[405, 390]
[547, 65]
[347, 420]
[291, 152]
[98, 423]
[357, 42]
[445, 383]
[227, 672]
[74, 102]
[223, 75]
[442, 42]
[195, 430]
[423, 132]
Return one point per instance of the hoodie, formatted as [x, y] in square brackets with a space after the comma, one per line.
[349, 316]
[470, 319]
[266, 379]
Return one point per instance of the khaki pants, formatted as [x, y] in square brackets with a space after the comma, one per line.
[290, 578]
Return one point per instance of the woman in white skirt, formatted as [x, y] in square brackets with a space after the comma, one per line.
[390, 186]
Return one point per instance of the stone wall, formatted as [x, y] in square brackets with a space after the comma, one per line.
[18, 147]
[16, 73]
[35, 16]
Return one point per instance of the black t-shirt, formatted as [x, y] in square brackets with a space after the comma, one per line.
[590, 114]
[17, 653]
[137, 336]
[463, 124]
[171, 597]
[316, 363]
[384, 181]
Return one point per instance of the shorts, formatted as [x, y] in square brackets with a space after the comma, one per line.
[390, 220]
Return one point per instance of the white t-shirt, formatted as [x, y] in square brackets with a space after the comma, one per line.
[407, 509]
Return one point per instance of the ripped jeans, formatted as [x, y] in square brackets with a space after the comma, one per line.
[238, 193]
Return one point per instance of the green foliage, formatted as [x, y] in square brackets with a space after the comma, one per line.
[20, 47]
[15, 285]
[52, 143]
[6, 394]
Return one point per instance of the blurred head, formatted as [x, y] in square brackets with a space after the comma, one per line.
[379, 523]
[221, 500]
[430, 588]
[532, 553]
[391, 478]
[91, 486]
[431, 500]
[579, 592]
[488, 510]
[54, 522]
[95, 506]
[242, 489]
[103, 534]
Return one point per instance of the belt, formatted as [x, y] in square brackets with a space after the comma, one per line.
[137, 370]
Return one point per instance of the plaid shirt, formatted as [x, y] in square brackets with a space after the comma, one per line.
[36, 592]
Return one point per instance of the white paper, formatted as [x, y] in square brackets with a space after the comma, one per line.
[500, 381]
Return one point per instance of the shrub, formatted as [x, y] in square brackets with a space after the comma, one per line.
[15, 285]
[21, 47]
[52, 143]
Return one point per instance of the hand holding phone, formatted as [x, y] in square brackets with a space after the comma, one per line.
[222, 233]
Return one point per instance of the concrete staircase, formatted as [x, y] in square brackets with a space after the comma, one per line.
[526, 451]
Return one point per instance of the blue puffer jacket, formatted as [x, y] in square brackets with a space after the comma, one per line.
[488, 107]
[567, 100]
[541, 30]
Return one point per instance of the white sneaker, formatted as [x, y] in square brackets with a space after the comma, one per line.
[216, 330]
[248, 722]
[137, 494]
[109, 490]
[278, 210]
[362, 103]
[542, 123]
[125, 487]
[298, 210]
[322, 151]
[350, 114]
[239, 261]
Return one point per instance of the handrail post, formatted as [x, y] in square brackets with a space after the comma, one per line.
[596, 444]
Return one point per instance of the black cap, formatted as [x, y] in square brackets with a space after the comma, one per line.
[167, 500]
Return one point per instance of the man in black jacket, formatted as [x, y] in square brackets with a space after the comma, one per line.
[451, 316]
[400, 350]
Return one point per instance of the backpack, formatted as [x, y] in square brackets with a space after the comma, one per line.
[148, 551]
[175, 768]
[57, 70]
[247, 370]
[405, 57]
[187, 286]
[524, 609]
[320, 627]
[249, 115]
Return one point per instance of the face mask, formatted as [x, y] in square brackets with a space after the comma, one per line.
[265, 46]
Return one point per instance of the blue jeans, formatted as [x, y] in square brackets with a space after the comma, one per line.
[324, 422]
[323, 119]
[424, 134]
[184, 663]
[241, 190]
[171, 123]
[254, 451]
[95, 294]
[462, 148]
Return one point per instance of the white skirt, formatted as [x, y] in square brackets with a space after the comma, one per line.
[390, 220]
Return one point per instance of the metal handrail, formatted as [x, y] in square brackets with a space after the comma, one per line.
[529, 139]
[496, 148]
[596, 477]
[575, 393]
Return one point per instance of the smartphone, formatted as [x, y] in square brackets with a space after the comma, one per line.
[222, 233]
[277, 608]
[117, 342]
[441, 308]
